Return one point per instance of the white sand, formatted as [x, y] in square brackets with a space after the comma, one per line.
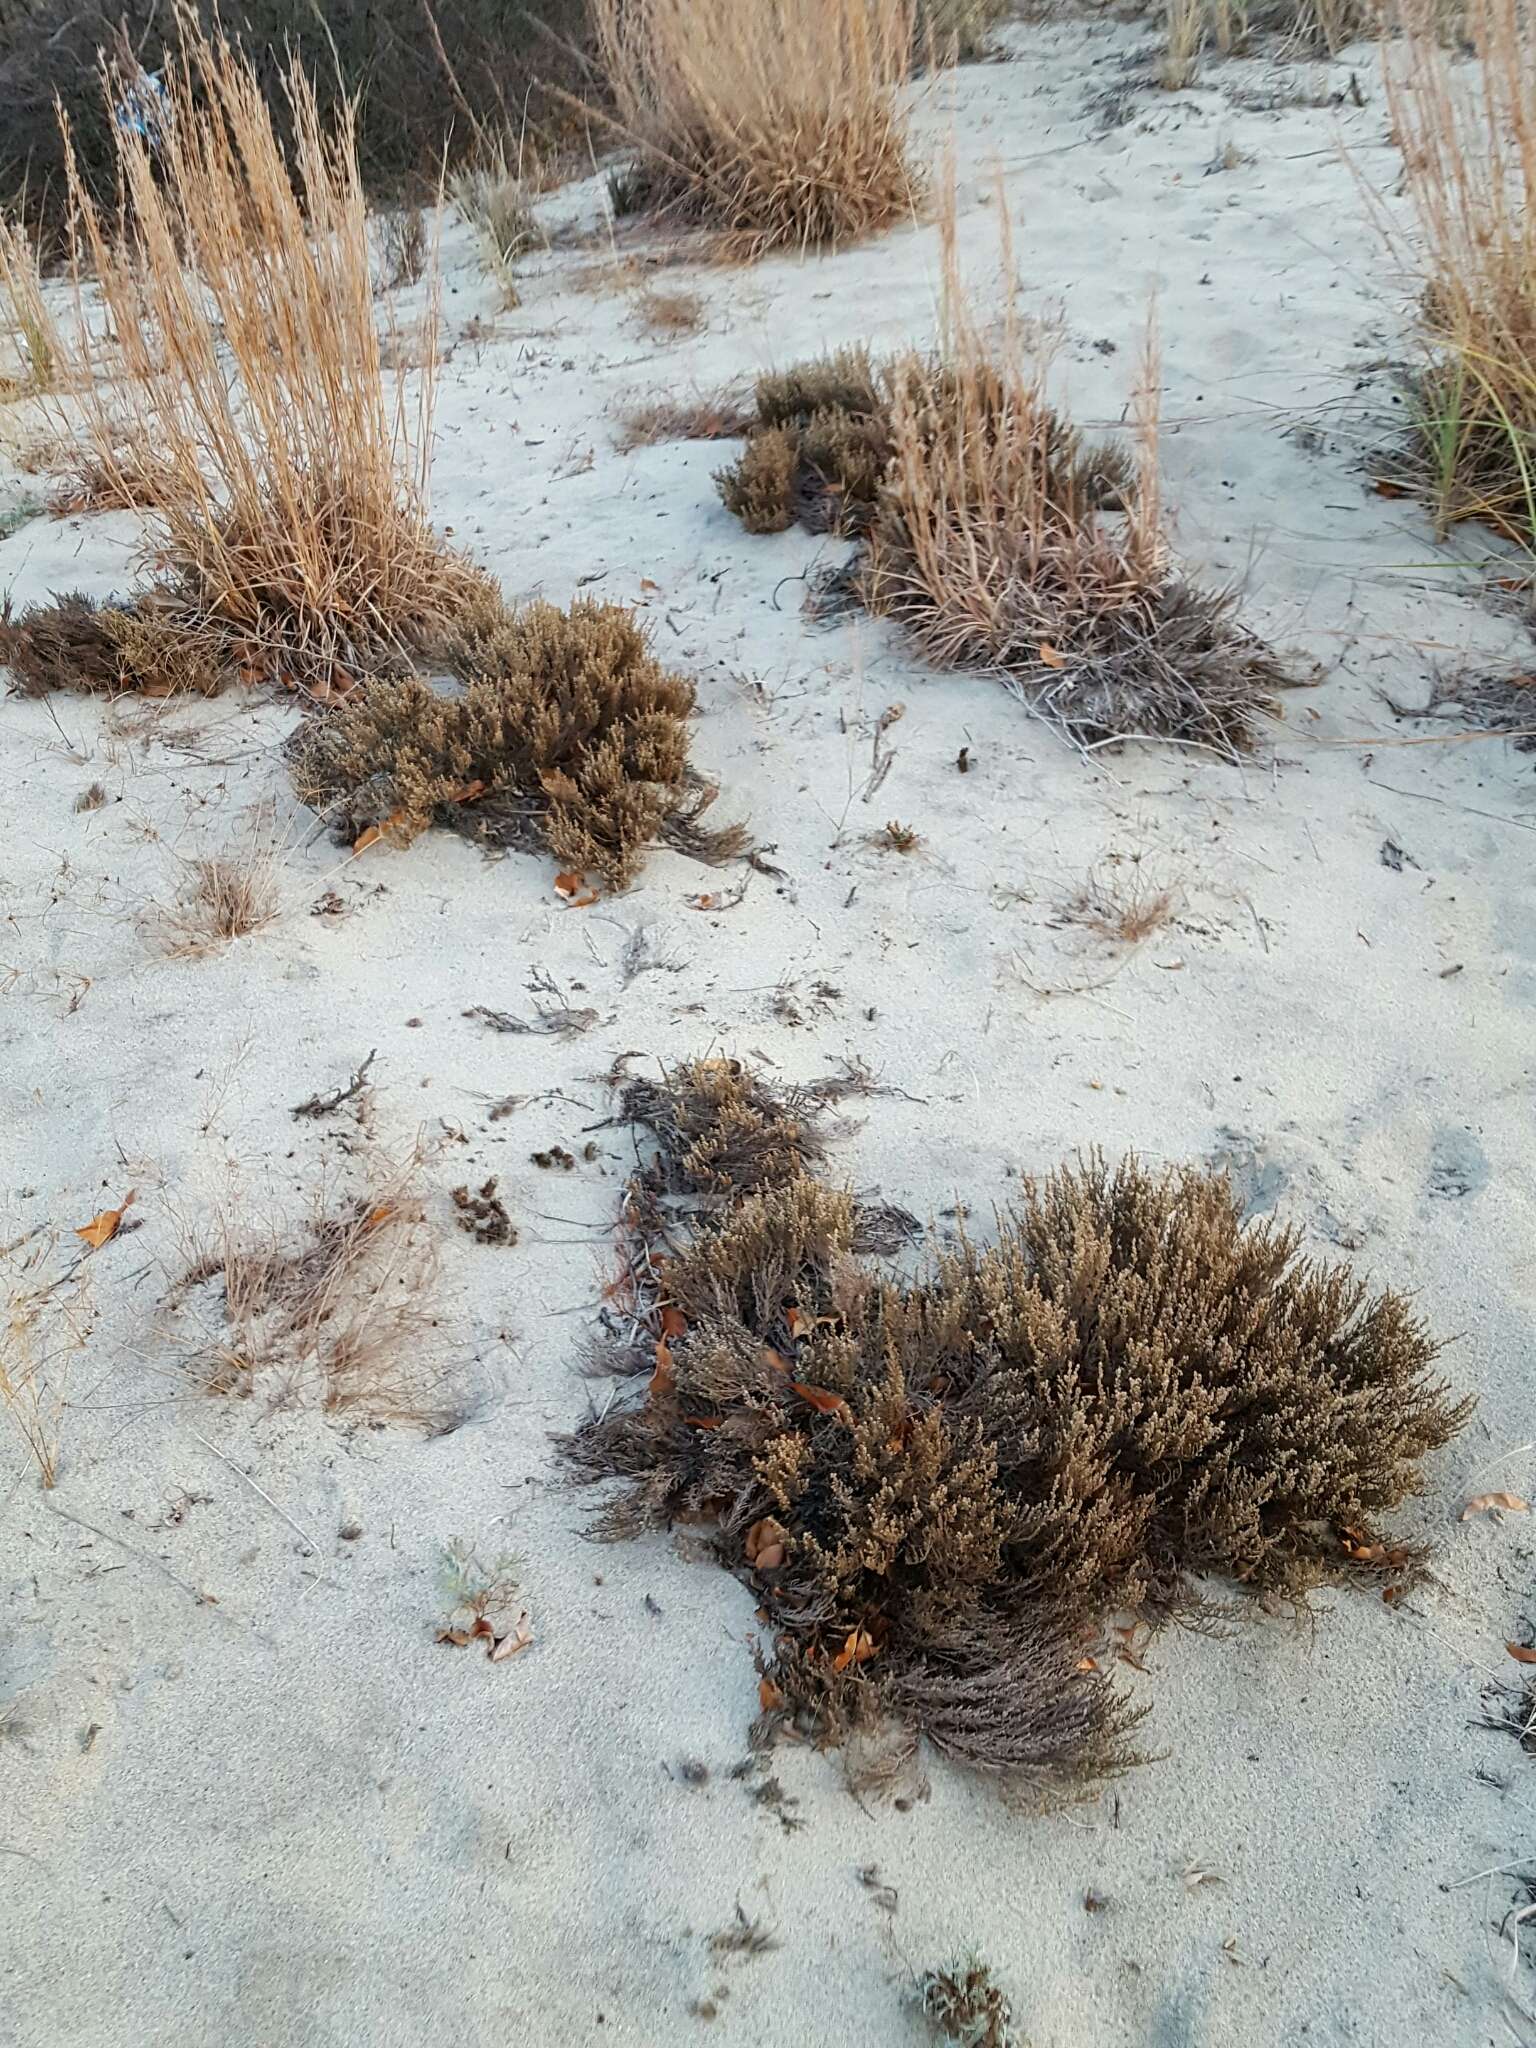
[288, 1818]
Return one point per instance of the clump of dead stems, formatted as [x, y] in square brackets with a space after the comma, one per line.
[776, 123]
[1000, 538]
[942, 1488]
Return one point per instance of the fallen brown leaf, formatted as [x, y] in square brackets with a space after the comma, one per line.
[573, 888]
[858, 1649]
[518, 1637]
[1521, 1652]
[823, 1401]
[104, 1227]
[1480, 1503]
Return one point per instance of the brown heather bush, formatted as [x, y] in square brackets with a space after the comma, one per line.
[146, 646]
[291, 502]
[941, 1489]
[777, 123]
[555, 729]
[1469, 147]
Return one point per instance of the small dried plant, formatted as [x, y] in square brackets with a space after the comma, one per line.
[779, 123]
[291, 502]
[966, 2007]
[475, 1587]
[46, 1322]
[339, 1312]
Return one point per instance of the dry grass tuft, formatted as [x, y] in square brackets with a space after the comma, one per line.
[493, 193]
[404, 247]
[148, 647]
[292, 487]
[1123, 903]
[720, 418]
[220, 897]
[567, 733]
[1001, 539]
[338, 1313]
[668, 314]
[1469, 147]
[44, 359]
[1316, 28]
[778, 123]
[1495, 701]
[941, 1489]
[44, 1324]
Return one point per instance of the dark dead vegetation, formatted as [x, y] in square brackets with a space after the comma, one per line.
[941, 1488]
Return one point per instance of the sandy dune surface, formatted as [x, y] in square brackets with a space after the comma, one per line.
[244, 1796]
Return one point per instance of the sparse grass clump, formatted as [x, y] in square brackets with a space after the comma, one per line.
[220, 897]
[1122, 902]
[45, 1319]
[718, 418]
[556, 729]
[957, 31]
[668, 314]
[1311, 28]
[291, 486]
[940, 1489]
[404, 247]
[777, 123]
[1001, 539]
[336, 1313]
[1469, 147]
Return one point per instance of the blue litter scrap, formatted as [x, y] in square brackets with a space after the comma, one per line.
[145, 108]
